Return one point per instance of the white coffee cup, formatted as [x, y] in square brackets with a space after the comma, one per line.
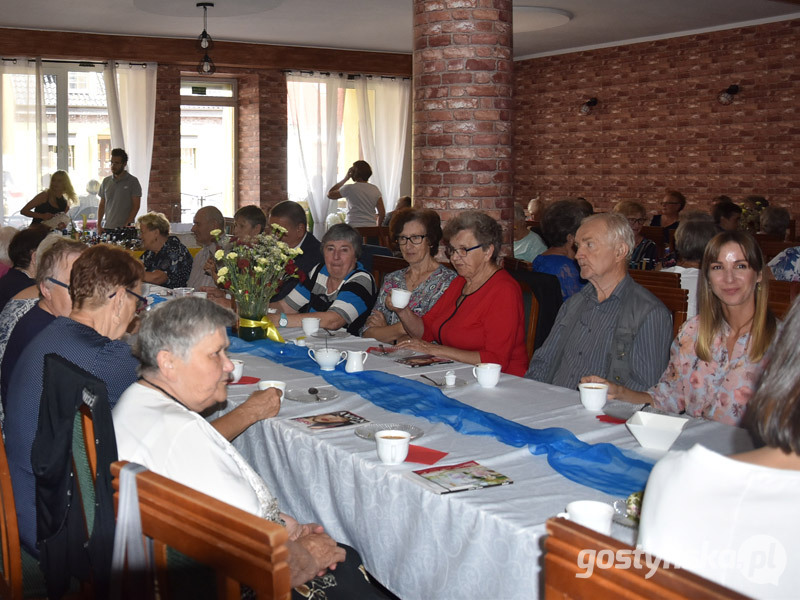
[392, 445]
[400, 297]
[238, 369]
[280, 385]
[590, 513]
[327, 358]
[310, 325]
[487, 374]
[203, 295]
[593, 395]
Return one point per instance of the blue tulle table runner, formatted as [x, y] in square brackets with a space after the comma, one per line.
[601, 466]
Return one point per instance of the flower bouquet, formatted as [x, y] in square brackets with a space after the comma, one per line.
[252, 271]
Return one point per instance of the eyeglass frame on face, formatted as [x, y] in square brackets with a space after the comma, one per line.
[402, 240]
[461, 252]
[633, 221]
[57, 282]
[141, 301]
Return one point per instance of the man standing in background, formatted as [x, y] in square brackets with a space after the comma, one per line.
[120, 195]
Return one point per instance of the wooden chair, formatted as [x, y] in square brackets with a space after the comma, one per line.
[228, 226]
[514, 264]
[240, 547]
[382, 265]
[379, 233]
[771, 248]
[658, 235]
[566, 548]
[779, 306]
[784, 290]
[659, 278]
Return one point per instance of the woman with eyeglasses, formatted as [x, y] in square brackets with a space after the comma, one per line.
[645, 252]
[417, 232]
[479, 318]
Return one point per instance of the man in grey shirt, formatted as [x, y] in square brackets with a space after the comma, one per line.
[120, 195]
[614, 327]
[206, 220]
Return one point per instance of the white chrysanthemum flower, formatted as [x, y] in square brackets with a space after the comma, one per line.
[219, 254]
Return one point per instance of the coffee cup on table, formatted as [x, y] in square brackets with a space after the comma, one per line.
[593, 395]
[392, 445]
[487, 374]
[590, 513]
[238, 369]
[327, 358]
[279, 385]
[310, 325]
[400, 297]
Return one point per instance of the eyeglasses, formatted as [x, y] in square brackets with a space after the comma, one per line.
[141, 301]
[461, 252]
[637, 221]
[414, 239]
[57, 282]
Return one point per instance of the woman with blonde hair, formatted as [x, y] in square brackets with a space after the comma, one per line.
[718, 355]
[57, 198]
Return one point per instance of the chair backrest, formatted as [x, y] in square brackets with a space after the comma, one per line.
[660, 278]
[383, 265]
[771, 248]
[541, 295]
[369, 234]
[11, 579]
[368, 254]
[240, 547]
[568, 549]
[784, 290]
[514, 264]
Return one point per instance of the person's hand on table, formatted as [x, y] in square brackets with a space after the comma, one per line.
[212, 292]
[418, 345]
[620, 392]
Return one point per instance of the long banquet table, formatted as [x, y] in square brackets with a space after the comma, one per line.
[420, 545]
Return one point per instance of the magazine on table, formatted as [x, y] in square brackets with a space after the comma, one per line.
[459, 478]
[330, 420]
[423, 360]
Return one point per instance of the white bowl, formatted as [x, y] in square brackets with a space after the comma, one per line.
[654, 431]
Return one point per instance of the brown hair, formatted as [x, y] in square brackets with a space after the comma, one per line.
[676, 195]
[429, 219]
[709, 307]
[773, 413]
[100, 270]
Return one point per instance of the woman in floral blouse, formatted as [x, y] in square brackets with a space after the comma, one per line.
[417, 232]
[166, 260]
[718, 355]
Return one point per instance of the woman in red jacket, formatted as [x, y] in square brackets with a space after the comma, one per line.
[479, 319]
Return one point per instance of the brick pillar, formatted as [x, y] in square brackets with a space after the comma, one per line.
[463, 71]
[164, 194]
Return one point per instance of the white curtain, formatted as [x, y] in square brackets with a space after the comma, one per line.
[131, 100]
[382, 127]
[315, 116]
[23, 132]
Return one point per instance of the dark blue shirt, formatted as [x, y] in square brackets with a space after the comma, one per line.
[27, 328]
[11, 284]
[108, 360]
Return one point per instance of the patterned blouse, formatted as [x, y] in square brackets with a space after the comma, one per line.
[174, 259]
[422, 298]
[718, 390]
[786, 266]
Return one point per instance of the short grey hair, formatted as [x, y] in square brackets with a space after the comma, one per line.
[691, 238]
[342, 232]
[775, 221]
[177, 326]
[486, 230]
[619, 230]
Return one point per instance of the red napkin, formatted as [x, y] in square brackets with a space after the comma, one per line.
[246, 380]
[423, 455]
[610, 419]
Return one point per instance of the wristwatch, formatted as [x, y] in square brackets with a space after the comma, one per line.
[283, 321]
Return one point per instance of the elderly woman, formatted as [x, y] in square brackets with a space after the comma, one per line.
[718, 355]
[417, 232]
[753, 494]
[167, 262]
[645, 252]
[52, 283]
[561, 221]
[184, 370]
[775, 222]
[527, 244]
[479, 318]
[690, 242]
[22, 253]
[57, 198]
[363, 198]
[338, 291]
[674, 202]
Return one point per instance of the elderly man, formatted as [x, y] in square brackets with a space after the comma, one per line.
[291, 216]
[613, 326]
[206, 220]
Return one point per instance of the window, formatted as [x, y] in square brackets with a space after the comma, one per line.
[208, 145]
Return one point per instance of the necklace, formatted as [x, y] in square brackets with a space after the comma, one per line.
[163, 391]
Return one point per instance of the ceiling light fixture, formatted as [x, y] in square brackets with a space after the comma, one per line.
[725, 97]
[205, 43]
[587, 106]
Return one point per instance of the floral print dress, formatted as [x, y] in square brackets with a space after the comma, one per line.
[718, 390]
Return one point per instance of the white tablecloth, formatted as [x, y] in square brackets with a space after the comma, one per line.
[477, 544]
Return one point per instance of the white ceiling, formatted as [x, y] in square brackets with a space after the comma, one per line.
[386, 25]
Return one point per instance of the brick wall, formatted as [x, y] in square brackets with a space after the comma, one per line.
[164, 194]
[658, 124]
